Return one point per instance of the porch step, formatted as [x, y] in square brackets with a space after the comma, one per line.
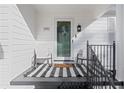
[64, 61]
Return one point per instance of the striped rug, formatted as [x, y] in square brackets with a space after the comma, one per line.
[44, 70]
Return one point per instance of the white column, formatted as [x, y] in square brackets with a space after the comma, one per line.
[120, 42]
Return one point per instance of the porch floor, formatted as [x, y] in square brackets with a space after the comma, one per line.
[57, 70]
[46, 76]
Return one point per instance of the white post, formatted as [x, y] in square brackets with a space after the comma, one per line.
[119, 35]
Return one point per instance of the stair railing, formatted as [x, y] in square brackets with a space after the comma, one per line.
[100, 66]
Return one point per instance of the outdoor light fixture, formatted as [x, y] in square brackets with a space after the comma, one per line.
[78, 28]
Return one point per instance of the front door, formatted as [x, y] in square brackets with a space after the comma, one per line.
[63, 38]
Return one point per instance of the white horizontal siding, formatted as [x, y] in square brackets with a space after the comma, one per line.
[4, 51]
[22, 43]
[16, 45]
[97, 32]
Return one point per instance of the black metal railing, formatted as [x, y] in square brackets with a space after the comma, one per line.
[106, 56]
[100, 65]
[100, 76]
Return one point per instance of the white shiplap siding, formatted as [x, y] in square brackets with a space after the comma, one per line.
[16, 45]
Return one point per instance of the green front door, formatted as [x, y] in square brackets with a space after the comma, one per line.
[63, 38]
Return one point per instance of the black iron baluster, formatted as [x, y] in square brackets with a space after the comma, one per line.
[91, 64]
[114, 55]
[95, 78]
[98, 68]
[77, 59]
[107, 63]
[110, 63]
[110, 59]
[103, 63]
[88, 63]
[101, 68]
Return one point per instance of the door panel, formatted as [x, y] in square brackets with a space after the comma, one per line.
[63, 38]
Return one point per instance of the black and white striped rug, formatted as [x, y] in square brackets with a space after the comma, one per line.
[44, 70]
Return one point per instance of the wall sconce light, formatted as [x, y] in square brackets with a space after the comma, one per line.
[78, 28]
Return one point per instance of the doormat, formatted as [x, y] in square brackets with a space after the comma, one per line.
[63, 65]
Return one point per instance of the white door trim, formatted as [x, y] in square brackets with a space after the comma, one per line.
[55, 37]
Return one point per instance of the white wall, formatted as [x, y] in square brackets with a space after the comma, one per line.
[101, 31]
[97, 32]
[4, 45]
[47, 38]
[80, 14]
[16, 45]
[22, 43]
[29, 13]
[48, 14]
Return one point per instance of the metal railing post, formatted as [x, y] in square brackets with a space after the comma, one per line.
[114, 58]
[87, 61]
[77, 59]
